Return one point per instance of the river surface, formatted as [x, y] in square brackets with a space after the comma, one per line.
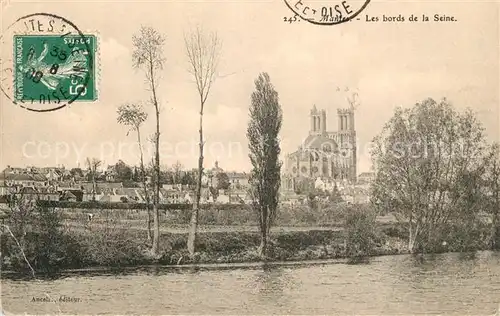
[447, 284]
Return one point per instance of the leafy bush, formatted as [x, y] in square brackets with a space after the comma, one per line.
[113, 247]
[46, 247]
[360, 235]
[464, 236]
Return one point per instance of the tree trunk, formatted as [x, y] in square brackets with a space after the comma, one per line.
[144, 184]
[196, 205]
[94, 187]
[156, 199]
[412, 237]
[263, 245]
[495, 229]
[150, 238]
[264, 232]
[156, 184]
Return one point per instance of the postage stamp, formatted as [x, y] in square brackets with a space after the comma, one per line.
[55, 68]
[47, 63]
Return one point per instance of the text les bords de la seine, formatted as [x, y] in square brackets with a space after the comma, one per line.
[411, 18]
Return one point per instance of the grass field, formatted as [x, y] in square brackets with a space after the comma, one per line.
[177, 221]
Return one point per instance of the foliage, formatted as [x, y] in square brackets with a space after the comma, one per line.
[188, 178]
[424, 159]
[359, 233]
[492, 199]
[148, 51]
[123, 171]
[312, 202]
[263, 131]
[113, 247]
[304, 186]
[132, 115]
[76, 172]
[335, 196]
[223, 181]
[44, 243]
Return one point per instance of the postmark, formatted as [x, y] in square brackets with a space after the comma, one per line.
[47, 63]
[327, 12]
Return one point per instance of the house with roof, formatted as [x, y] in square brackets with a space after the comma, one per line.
[49, 197]
[131, 194]
[22, 179]
[53, 175]
[238, 180]
[15, 170]
[110, 174]
[68, 196]
[100, 186]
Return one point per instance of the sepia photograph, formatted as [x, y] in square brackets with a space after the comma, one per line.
[263, 157]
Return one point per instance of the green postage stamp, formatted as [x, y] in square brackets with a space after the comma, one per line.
[54, 68]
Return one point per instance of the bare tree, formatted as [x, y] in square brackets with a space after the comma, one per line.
[92, 165]
[203, 52]
[263, 130]
[148, 56]
[177, 170]
[133, 115]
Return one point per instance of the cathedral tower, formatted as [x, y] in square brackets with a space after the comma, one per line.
[347, 143]
[318, 122]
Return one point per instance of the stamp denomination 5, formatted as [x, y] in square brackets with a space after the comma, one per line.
[47, 63]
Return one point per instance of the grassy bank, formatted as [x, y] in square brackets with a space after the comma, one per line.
[122, 248]
[50, 245]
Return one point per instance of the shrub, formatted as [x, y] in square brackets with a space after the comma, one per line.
[46, 247]
[463, 236]
[359, 233]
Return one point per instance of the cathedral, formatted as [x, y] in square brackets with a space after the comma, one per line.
[327, 155]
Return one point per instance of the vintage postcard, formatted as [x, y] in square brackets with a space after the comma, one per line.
[265, 157]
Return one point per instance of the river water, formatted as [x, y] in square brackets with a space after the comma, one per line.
[449, 284]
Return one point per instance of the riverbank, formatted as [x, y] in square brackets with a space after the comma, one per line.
[121, 248]
[52, 246]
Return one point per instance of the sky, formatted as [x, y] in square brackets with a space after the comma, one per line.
[388, 64]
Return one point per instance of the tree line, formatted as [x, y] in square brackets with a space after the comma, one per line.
[203, 52]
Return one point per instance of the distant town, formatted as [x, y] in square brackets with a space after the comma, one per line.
[119, 183]
[309, 170]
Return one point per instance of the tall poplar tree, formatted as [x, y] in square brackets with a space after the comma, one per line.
[263, 130]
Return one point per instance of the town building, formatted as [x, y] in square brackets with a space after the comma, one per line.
[238, 180]
[328, 155]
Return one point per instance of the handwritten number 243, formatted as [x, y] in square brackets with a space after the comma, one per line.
[291, 19]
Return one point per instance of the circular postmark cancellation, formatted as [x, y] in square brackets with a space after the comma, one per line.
[327, 12]
[47, 63]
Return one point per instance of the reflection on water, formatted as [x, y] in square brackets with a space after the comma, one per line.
[432, 284]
